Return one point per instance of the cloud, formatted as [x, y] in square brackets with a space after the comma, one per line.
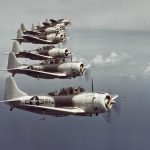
[81, 59]
[112, 59]
[147, 69]
[129, 76]
[117, 14]
[146, 72]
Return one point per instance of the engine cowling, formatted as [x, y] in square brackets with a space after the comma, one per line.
[73, 69]
[59, 52]
[52, 30]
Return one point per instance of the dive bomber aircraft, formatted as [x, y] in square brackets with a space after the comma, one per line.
[41, 39]
[65, 70]
[44, 53]
[79, 103]
[34, 31]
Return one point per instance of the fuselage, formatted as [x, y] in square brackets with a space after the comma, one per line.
[43, 38]
[40, 53]
[91, 103]
[71, 69]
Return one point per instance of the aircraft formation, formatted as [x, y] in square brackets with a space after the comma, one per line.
[55, 62]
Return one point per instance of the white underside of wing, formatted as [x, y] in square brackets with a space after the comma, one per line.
[35, 38]
[72, 110]
[46, 73]
[36, 54]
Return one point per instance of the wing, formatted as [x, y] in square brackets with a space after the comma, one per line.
[54, 21]
[44, 74]
[36, 39]
[34, 55]
[59, 20]
[32, 32]
[72, 110]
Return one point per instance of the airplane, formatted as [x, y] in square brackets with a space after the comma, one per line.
[70, 101]
[41, 39]
[33, 31]
[54, 23]
[65, 22]
[47, 23]
[44, 53]
[64, 70]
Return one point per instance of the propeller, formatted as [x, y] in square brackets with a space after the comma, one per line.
[92, 84]
[64, 42]
[108, 117]
[117, 106]
[71, 57]
[87, 72]
[65, 39]
[111, 105]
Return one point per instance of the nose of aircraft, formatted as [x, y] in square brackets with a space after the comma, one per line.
[61, 37]
[110, 101]
[82, 68]
[67, 52]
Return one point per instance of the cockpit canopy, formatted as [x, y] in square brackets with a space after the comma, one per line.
[67, 91]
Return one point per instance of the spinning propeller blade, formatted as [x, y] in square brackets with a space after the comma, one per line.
[87, 72]
[111, 104]
[108, 117]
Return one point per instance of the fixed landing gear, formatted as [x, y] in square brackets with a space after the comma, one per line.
[13, 74]
[11, 108]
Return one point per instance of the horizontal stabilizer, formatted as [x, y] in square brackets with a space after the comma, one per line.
[3, 69]
[11, 100]
[18, 39]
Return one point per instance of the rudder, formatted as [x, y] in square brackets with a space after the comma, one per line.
[23, 28]
[12, 90]
[16, 49]
[12, 61]
[33, 27]
[19, 34]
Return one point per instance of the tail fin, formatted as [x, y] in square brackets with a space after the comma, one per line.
[12, 90]
[40, 24]
[19, 34]
[23, 28]
[47, 21]
[12, 61]
[16, 49]
[33, 27]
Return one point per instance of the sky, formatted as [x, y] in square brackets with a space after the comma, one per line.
[103, 14]
[113, 36]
